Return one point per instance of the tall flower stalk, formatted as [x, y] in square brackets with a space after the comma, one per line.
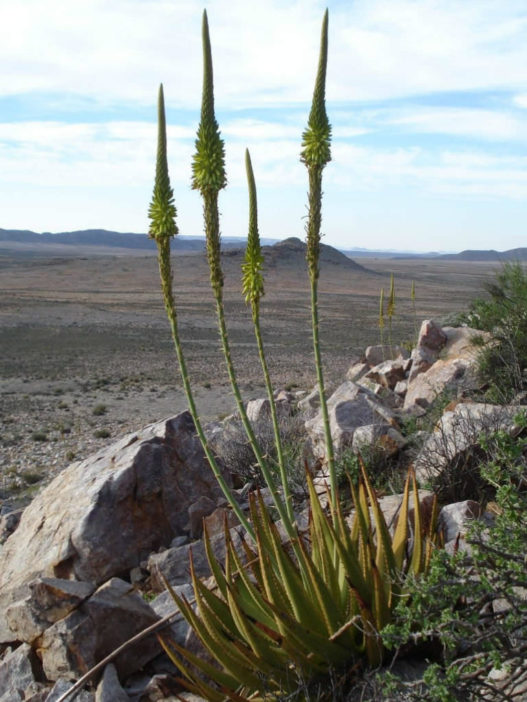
[316, 153]
[208, 176]
[412, 297]
[381, 320]
[162, 215]
[253, 290]
[390, 311]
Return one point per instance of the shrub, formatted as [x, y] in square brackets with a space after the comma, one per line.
[99, 410]
[503, 364]
[473, 604]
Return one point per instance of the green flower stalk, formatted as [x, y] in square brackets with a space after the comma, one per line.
[316, 153]
[381, 319]
[208, 176]
[162, 215]
[412, 297]
[253, 290]
[390, 311]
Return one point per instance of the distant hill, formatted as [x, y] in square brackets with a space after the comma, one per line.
[291, 253]
[105, 238]
[488, 256]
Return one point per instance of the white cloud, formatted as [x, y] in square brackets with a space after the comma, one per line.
[119, 50]
[463, 122]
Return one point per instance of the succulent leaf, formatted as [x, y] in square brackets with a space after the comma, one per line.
[162, 211]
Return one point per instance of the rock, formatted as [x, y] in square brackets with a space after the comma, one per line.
[50, 599]
[378, 354]
[17, 673]
[63, 685]
[458, 432]
[431, 336]
[459, 343]
[387, 374]
[258, 409]
[8, 524]
[173, 563]
[351, 406]
[109, 688]
[215, 522]
[110, 617]
[356, 371]
[429, 343]
[381, 437]
[390, 507]
[454, 518]
[197, 510]
[400, 388]
[104, 515]
[386, 396]
[163, 605]
[428, 385]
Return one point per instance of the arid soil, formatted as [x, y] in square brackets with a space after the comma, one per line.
[86, 354]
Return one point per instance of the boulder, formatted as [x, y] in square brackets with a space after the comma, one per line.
[197, 510]
[163, 605]
[109, 688]
[351, 406]
[17, 673]
[429, 385]
[458, 432]
[454, 518]
[50, 599]
[102, 516]
[382, 437]
[174, 563]
[387, 374]
[356, 371]
[62, 686]
[378, 354]
[8, 523]
[429, 343]
[111, 616]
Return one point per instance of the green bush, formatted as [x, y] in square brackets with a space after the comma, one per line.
[469, 616]
[503, 363]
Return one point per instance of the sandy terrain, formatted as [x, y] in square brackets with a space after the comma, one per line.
[86, 355]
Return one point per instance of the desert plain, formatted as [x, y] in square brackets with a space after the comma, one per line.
[86, 354]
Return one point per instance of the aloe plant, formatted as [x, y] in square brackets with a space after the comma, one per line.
[316, 154]
[208, 176]
[253, 290]
[287, 617]
[162, 214]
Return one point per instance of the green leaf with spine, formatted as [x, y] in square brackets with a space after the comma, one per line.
[292, 614]
[162, 211]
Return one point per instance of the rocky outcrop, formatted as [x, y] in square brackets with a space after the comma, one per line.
[350, 407]
[110, 617]
[103, 516]
[459, 432]
[129, 517]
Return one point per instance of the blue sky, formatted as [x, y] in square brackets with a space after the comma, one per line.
[427, 98]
